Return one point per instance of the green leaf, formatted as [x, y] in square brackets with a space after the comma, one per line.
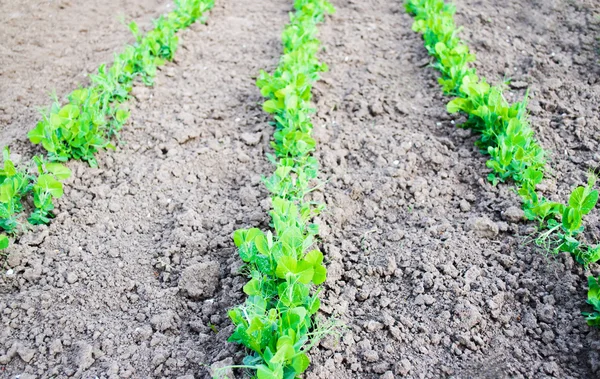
[314, 257]
[297, 317]
[60, 171]
[236, 315]
[133, 27]
[285, 265]
[305, 271]
[239, 236]
[593, 288]
[256, 325]
[572, 218]
[457, 105]
[36, 135]
[69, 112]
[320, 274]
[9, 166]
[252, 287]
[300, 363]
[252, 234]
[419, 26]
[3, 242]
[285, 350]
[270, 106]
[258, 303]
[291, 240]
[261, 244]
[592, 255]
[47, 183]
[533, 175]
[291, 102]
[8, 190]
[576, 198]
[244, 240]
[263, 372]
[590, 202]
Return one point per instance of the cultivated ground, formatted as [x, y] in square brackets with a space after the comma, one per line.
[427, 264]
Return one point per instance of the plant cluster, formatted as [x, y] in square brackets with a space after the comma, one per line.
[89, 120]
[277, 321]
[506, 134]
[93, 115]
[14, 185]
[42, 183]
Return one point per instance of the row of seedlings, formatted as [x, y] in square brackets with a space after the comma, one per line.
[89, 121]
[277, 322]
[507, 137]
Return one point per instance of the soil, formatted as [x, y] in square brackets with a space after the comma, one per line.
[428, 266]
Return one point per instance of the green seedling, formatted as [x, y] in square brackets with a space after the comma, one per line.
[15, 183]
[152, 50]
[76, 130]
[47, 187]
[188, 11]
[565, 223]
[277, 321]
[581, 202]
[113, 86]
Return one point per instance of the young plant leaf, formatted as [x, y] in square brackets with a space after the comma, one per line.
[3, 242]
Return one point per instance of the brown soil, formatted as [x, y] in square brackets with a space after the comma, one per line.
[427, 265]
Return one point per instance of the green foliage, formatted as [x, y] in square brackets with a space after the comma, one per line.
[581, 202]
[593, 318]
[92, 116]
[15, 183]
[47, 187]
[75, 130]
[506, 135]
[277, 320]
[3, 242]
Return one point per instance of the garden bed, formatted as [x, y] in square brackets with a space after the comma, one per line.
[429, 268]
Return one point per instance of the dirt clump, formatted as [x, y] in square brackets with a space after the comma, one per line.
[200, 280]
